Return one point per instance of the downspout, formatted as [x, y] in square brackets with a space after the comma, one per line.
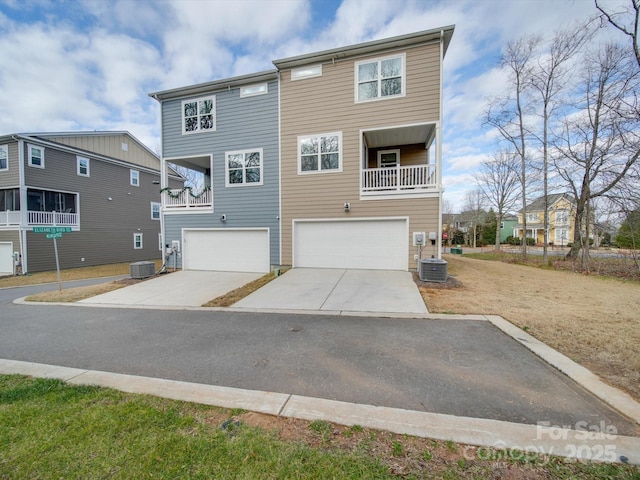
[280, 172]
[22, 231]
[439, 151]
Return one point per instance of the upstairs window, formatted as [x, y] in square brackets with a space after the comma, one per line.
[380, 78]
[134, 178]
[252, 90]
[532, 217]
[244, 167]
[4, 157]
[309, 71]
[562, 217]
[35, 156]
[155, 211]
[83, 166]
[199, 115]
[320, 153]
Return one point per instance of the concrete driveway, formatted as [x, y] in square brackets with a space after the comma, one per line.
[185, 288]
[336, 290]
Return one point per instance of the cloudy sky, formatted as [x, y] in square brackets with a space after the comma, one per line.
[89, 64]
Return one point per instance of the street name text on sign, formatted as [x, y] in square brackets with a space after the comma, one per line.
[51, 230]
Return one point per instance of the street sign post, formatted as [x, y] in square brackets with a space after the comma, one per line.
[54, 233]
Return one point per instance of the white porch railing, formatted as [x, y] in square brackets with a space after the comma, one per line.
[186, 199]
[398, 179]
[9, 217]
[52, 218]
[63, 219]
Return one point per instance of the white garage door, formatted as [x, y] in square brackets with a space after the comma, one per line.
[380, 244]
[226, 250]
[6, 258]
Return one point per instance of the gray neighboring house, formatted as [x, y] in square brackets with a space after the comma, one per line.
[225, 135]
[105, 186]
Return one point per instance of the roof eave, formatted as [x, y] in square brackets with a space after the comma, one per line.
[369, 47]
[220, 84]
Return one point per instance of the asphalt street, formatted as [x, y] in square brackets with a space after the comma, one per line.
[457, 367]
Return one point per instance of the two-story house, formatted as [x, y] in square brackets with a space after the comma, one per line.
[361, 152]
[333, 159]
[561, 210]
[103, 186]
[225, 133]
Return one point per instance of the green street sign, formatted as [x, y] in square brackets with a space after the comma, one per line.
[51, 230]
[54, 235]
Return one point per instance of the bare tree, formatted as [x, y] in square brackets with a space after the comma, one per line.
[508, 114]
[499, 183]
[549, 80]
[599, 144]
[473, 214]
[627, 22]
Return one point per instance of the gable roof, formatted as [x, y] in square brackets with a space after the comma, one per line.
[538, 203]
[401, 41]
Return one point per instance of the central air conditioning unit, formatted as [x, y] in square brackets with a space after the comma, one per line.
[142, 269]
[433, 270]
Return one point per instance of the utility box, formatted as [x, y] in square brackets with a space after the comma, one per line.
[142, 269]
[433, 270]
[456, 251]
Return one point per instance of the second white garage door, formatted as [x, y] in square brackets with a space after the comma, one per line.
[226, 250]
[376, 244]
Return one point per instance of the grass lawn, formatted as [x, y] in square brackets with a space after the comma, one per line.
[51, 430]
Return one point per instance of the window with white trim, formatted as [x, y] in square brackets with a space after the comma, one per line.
[253, 90]
[155, 211]
[532, 217]
[35, 156]
[380, 78]
[199, 115]
[309, 71]
[562, 217]
[320, 153]
[134, 178]
[243, 167]
[137, 241]
[83, 166]
[4, 157]
[561, 235]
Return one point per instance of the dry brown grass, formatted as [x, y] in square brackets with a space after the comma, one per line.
[70, 274]
[238, 294]
[74, 294]
[593, 320]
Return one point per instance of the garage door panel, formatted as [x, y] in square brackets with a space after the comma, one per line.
[6, 258]
[227, 250]
[365, 244]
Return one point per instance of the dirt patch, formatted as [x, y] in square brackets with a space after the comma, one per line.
[592, 320]
[238, 294]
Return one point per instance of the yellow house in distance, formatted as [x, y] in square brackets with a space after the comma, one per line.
[562, 212]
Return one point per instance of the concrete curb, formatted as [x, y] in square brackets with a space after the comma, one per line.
[617, 399]
[536, 440]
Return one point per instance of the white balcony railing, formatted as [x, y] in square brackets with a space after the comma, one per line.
[9, 217]
[186, 198]
[398, 179]
[63, 219]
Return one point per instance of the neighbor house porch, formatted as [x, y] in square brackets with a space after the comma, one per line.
[44, 208]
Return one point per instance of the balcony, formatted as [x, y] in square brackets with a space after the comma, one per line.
[37, 218]
[398, 180]
[187, 198]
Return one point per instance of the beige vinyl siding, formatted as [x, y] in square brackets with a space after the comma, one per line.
[11, 178]
[11, 236]
[326, 104]
[111, 146]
